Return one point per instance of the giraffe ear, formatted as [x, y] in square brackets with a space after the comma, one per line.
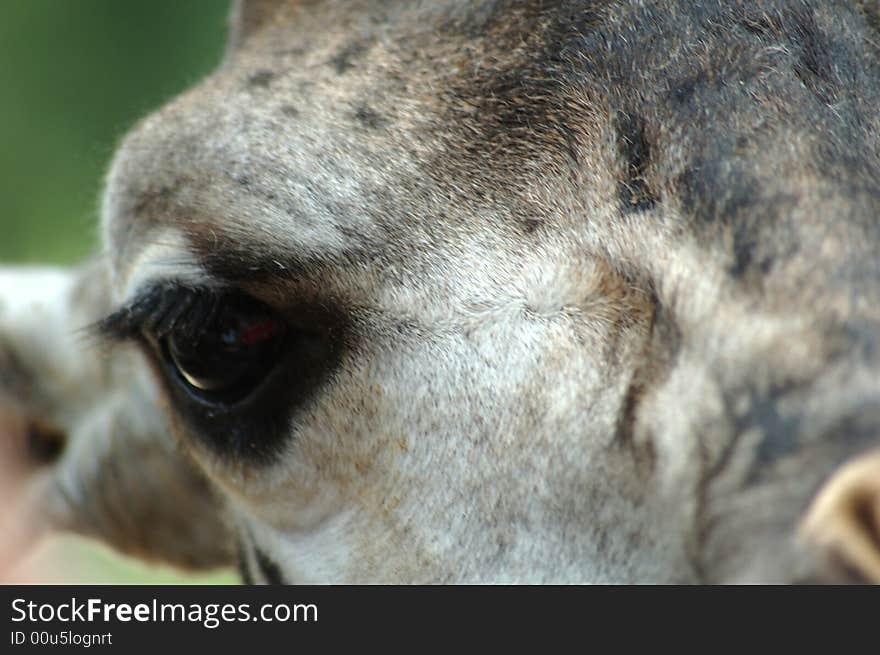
[248, 16]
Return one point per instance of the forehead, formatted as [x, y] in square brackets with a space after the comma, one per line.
[358, 133]
[329, 137]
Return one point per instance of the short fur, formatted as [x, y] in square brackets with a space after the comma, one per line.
[607, 274]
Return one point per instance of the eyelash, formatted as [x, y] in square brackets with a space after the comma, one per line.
[161, 309]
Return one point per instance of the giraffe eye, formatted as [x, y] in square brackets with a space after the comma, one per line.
[229, 355]
[235, 369]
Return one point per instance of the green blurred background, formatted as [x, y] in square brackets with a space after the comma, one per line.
[74, 76]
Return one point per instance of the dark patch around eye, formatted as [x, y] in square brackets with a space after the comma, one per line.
[252, 426]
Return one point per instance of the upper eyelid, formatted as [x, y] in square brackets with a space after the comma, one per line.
[158, 307]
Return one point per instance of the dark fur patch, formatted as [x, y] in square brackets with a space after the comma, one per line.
[754, 250]
[45, 442]
[290, 111]
[346, 58]
[643, 454]
[657, 360]
[784, 434]
[369, 118]
[744, 246]
[290, 52]
[734, 203]
[268, 568]
[244, 571]
[685, 89]
[815, 68]
[531, 225]
[812, 47]
[262, 79]
[711, 196]
[635, 150]
[510, 107]
[781, 432]
[871, 11]
[158, 200]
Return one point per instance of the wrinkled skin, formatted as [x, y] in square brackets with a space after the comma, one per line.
[597, 282]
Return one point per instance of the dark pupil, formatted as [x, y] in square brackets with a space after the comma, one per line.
[230, 354]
